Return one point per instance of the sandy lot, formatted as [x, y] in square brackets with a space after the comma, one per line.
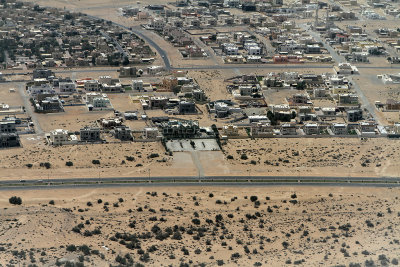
[313, 156]
[16, 163]
[235, 226]
[277, 157]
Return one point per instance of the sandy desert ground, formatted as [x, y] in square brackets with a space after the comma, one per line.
[343, 157]
[202, 226]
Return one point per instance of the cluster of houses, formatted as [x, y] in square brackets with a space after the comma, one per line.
[274, 22]
[265, 129]
[246, 115]
[291, 43]
[298, 115]
[186, 94]
[91, 134]
[10, 128]
[163, 127]
[49, 93]
[36, 37]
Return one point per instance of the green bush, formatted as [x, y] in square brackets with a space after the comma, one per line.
[71, 248]
[153, 155]
[15, 200]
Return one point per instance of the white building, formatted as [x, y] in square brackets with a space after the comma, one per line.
[151, 133]
[97, 100]
[339, 128]
[311, 128]
[396, 128]
[105, 79]
[137, 85]
[44, 88]
[390, 78]
[153, 70]
[67, 87]
[288, 129]
[346, 68]
[367, 127]
[230, 49]
[92, 85]
[254, 50]
[60, 137]
[157, 24]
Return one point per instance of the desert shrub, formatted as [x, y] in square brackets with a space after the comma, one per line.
[15, 200]
[71, 248]
[253, 198]
[129, 158]
[196, 221]
[229, 157]
[85, 249]
[51, 202]
[235, 256]
[185, 251]
[211, 195]
[96, 161]
[87, 233]
[369, 223]
[293, 196]
[369, 263]
[177, 236]
[365, 252]
[253, 162]
[69, 163]
[153, 155]
[285, 244]
[152, 248]
[29, 165]
[99, 201]
[243, 157]
[47, 165]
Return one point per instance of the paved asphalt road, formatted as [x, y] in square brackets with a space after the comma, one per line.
[177, 184]
[198, 181]
[227, 67]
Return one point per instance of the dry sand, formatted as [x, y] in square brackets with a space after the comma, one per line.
[321, 226]
[271, 157]
[315, 156]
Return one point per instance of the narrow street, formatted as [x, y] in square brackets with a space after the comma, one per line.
[29, 109]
